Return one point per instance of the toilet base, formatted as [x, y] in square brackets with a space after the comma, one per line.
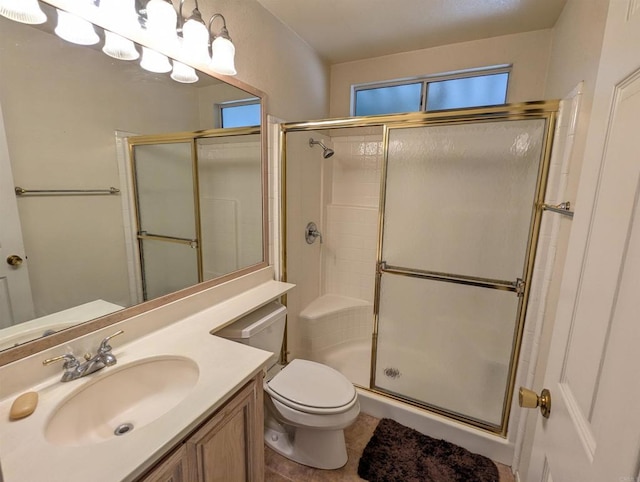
[322, 449]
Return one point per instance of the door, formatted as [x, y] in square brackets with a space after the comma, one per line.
[16, 302]
[454, 259]
[167, 215]
[593, 432]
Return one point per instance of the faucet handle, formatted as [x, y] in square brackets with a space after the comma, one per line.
[70, 361]
[104, 344]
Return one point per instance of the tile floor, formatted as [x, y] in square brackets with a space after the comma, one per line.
[280, 469]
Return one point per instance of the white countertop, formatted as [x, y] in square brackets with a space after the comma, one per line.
[32, 329]
[224, 367]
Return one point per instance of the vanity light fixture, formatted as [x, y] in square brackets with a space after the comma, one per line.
[154, 61]
[23, 11]
[119, 47]
[183, 73]
[123, 11]
[162, 20]
[195, 35]
[159, 18]
[75, 29]
[222, 49]
[161, 24]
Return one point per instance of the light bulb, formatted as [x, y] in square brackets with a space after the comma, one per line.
[195, 43]
[183, 73]
[75, 29]
[154, 61]
[222, 56]
[120, 12]
[119, 47]
[23, 11]
[161, 21]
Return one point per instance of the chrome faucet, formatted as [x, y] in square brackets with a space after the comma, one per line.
[73, 369]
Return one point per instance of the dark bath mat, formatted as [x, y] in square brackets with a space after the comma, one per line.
[397, 453]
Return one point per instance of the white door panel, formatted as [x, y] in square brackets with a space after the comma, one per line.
[16, 300]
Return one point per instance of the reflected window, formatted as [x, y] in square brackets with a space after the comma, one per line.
[240, 114]
[477, 88]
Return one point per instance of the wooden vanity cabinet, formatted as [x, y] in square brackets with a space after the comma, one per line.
[173, 468]
[228, 447]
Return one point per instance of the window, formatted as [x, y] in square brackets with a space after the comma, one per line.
[445, 91]
[245, 113]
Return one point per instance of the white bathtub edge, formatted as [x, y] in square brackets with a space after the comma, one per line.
[492, 446]
[331, 304]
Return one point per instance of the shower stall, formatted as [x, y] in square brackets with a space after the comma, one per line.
[429, 223]
[197, 199]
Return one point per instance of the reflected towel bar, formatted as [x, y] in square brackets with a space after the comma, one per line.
[562, 208]
[25, 192]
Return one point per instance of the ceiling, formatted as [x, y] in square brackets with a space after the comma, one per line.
[347, 30]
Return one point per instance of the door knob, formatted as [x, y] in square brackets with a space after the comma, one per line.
[14, 260]
[311, 233]
[530, 399]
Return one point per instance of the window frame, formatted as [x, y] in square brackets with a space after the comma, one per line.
[425, 80]
[235, 103]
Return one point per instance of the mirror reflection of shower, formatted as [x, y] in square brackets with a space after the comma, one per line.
[327, 152]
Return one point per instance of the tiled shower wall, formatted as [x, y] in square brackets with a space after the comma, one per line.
[351, 216]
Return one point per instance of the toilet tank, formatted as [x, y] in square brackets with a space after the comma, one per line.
[262, 328]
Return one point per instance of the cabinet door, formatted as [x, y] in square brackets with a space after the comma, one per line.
[229, 448]
[172, 469]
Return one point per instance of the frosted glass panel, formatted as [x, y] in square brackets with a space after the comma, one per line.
[468, 92]
[168, 267]
[389, 100]
[459, 198]
[230, 188]
[445, 344]
[164, 184]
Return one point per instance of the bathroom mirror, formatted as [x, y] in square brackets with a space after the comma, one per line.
[67, 113]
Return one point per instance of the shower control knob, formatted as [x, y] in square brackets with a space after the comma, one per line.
[14, 260]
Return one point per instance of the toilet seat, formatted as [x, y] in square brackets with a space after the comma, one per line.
[311, 387]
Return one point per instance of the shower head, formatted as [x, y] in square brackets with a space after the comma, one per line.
[327, 152]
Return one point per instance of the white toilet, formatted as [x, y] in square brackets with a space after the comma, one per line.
[307, 404]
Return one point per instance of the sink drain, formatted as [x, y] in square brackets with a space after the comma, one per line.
[123, 429]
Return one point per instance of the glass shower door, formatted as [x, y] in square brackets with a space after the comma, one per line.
[167, 211]
[459, 204]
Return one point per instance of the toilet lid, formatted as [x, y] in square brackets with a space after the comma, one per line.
[312, 384]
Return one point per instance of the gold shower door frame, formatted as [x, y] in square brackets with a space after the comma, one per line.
[190, 137]
[546, 110]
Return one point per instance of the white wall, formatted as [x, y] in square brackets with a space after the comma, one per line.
[270, 57]
[77, 147]
[528, 52]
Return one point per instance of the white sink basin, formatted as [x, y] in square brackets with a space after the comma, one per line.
[121, 399]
